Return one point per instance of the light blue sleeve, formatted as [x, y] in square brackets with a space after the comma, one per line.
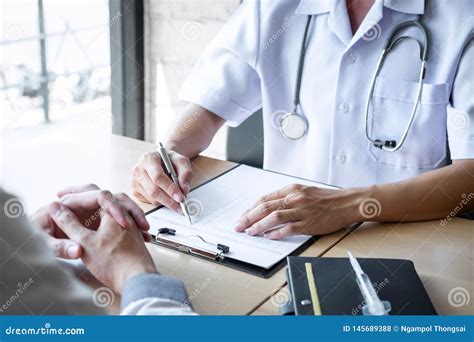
[154, 294]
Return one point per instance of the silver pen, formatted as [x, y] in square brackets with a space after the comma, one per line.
[169, 167]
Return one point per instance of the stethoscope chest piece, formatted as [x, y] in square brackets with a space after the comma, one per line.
[293, 126]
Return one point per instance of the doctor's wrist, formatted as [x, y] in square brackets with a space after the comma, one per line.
[365, 205]
[173, 146]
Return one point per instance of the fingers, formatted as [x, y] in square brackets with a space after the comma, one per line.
[151, 181]
[65, 248]
[137, 213]
[68, 222]
[120, 206]
[258, 212]
[139, 193]
[77, 189]
[108, 202]
[160, 178]
[281, 193]
[273, 220]
[146, 236]
[155, 194]
[110, 224]
[285, 231]
[182, 166]
[286, 192]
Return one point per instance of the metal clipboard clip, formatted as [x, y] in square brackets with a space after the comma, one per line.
[164, 237]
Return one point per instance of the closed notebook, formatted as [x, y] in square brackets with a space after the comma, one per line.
[394, 280]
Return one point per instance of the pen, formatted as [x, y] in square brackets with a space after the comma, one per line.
[372, 303]
[169, 167]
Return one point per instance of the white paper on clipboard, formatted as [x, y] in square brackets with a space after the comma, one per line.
[216, 207]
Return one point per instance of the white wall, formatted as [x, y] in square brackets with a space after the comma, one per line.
[176, 32]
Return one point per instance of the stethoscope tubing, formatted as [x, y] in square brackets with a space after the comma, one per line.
[391, 42]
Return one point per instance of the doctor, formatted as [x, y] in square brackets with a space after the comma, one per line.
[401, 152]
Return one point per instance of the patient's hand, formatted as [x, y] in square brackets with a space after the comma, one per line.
[89, 204]
[112, 254]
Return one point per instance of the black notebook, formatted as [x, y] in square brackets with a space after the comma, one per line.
[395, 280]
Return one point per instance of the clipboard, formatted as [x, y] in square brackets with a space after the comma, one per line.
[197, 246]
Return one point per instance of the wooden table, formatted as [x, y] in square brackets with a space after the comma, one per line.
[36, 170]
[443, 257]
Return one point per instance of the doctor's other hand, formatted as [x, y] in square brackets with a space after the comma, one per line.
[89, 203]
[152, 184]
[299, 209]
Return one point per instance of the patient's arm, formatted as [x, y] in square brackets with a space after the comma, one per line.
[34, 282]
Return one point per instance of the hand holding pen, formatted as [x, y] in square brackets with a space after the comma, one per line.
[152, 183]
[170, 169]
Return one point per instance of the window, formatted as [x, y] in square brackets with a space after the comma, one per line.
[55, 70]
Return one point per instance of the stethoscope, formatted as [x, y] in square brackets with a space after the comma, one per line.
[294, 126]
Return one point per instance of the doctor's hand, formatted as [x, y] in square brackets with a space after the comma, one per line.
[89, 204]
[151, 183]
[112, 254]
[299, 209]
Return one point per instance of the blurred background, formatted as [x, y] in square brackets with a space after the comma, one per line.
[55, 70]
[91, 68]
